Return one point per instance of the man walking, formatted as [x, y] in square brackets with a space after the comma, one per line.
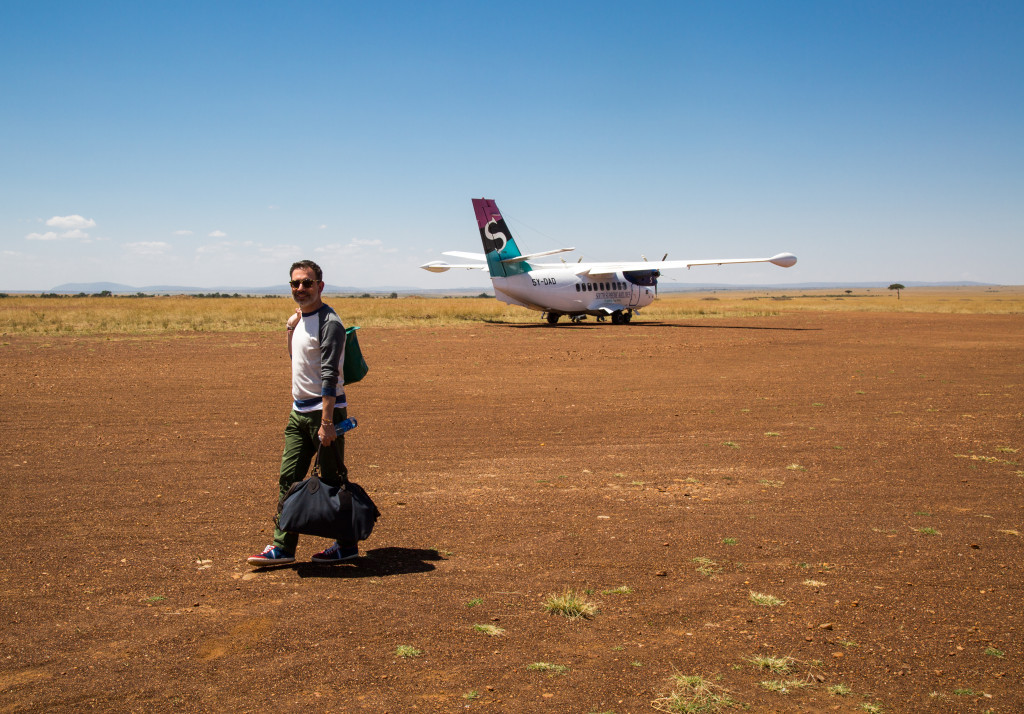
[316, 343]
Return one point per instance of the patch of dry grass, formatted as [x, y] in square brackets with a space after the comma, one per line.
[173, 314]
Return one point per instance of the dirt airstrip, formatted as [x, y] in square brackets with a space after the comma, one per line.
[863, 469]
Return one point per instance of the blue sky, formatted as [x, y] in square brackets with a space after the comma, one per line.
[212, 143]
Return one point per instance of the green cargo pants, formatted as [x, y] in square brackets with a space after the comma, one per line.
[300, 446]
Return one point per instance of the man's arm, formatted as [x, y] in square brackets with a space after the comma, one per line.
[332, 352]
[293, 320]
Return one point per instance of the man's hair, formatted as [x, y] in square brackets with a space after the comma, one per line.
[308, 265]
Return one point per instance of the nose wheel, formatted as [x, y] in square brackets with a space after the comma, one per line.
[622, 317]
[552, 317]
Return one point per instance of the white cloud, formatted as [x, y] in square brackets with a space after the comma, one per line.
[322, 226]
[364, 241]
[182, 233]
[72, 221]
[75, 233]
[148, 247]
[218, 234]
[49, 235]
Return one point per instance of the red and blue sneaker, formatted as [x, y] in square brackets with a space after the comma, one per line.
[336, 554]
[272, 555]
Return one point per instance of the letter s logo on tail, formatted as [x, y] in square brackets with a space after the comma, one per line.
[494, 235]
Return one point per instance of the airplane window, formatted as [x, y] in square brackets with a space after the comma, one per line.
[577, 287]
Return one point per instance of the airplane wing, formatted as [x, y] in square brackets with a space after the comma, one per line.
[783, 260]
[439, 266]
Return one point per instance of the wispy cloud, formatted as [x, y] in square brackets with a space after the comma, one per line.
[49, 235]
[71, 222]
[182, 233]
[218, 234]
[148, 247]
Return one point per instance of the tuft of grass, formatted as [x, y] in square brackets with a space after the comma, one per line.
[474, 602]
[815, 583]
[407, 651]
[778, 665]
[730, 541]
[765, 600]
[692, 694]
[548, 667]
[993, 652]
[621, 590]
[840, 690]
[570, 604]
[707, 567]
[783, 687]
[471, 695]
[731, 444]
[873, 707]
[770, 483]
[927, 530]
[796, 467]
[772, 433]
[490, 630]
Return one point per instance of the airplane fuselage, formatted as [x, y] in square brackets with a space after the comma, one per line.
[563, 291]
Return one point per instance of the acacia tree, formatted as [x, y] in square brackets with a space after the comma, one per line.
[897, 287]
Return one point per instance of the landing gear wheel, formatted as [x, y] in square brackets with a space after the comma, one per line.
[552, 317]
[627, 315]
[617, 317]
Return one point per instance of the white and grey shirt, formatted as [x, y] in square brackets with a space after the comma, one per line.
[317, 353]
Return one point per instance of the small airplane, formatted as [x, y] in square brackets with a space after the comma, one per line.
[574, 289]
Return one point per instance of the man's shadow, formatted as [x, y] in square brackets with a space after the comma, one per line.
[376, 563]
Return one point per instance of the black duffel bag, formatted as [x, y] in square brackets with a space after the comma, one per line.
[343, 512]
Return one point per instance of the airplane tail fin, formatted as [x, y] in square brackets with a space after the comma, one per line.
[499, 245]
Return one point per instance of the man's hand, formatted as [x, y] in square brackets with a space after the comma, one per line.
[327, 433]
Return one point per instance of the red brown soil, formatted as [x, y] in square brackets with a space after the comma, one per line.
[510, 462]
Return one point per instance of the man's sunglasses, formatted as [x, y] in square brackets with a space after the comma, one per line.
[306, 283]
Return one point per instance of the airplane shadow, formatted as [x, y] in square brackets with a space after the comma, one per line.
[636, 323]
[375, 563]
[546, 326]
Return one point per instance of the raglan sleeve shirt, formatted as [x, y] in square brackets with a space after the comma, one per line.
[317, 353]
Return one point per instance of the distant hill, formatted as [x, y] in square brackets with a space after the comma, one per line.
[665, 286]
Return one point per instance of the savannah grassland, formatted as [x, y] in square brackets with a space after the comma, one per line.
[173, 314]
[739, 502]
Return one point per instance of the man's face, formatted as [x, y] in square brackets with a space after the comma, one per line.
[308, 291]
